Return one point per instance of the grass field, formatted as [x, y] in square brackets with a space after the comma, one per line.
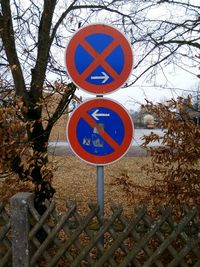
[76, 180]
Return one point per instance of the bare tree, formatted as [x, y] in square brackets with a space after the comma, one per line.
[31, 35]
[162, 33]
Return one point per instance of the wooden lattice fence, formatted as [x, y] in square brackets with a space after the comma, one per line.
[71, 239]
[5, 241]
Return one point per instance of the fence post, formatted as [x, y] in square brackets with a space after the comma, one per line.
[20, 228]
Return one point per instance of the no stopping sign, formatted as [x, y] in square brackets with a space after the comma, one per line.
[99, 58]
[100, 131]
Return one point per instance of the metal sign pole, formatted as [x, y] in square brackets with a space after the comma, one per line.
[100, 190]
[100, 186]
[100, 198]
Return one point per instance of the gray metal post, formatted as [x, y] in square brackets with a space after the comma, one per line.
[100, 190]
[100, 198]
[20, 229]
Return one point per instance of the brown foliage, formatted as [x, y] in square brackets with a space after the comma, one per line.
[24, 131]
[174, 168]
[131, 189]
[17, 152]
[11, 136]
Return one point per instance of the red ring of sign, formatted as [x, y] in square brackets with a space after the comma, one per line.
[81, 112]
[80, 79]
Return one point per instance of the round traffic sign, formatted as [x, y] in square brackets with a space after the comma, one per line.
[100, 131]
[99, 58]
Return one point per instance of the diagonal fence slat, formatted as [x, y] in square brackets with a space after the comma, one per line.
[185, 237]
[74, 236]
[40, 219]
[120, 239]
[139, 246]
[177, 230]
[95, 223]
[147, 250]
[71, 239]
[113, 230]
[96, 238]
[184, 252]
[5, 243]
[51, 236]
[161, 238]
[37, 225]
[67, 230]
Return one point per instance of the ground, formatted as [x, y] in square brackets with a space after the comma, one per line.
[76, 180]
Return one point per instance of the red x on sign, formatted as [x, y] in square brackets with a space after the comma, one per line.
[99, 58]
[100, 131]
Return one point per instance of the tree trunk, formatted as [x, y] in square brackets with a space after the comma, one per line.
[39, 139]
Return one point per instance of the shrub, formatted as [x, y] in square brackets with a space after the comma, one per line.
[174, 166]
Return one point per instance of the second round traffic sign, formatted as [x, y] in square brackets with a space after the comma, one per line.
[99, 58]
[100, 131]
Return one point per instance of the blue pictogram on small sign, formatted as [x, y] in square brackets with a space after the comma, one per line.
[91, 140]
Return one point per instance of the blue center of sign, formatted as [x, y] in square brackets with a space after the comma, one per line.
[89, 138]
[83, 59]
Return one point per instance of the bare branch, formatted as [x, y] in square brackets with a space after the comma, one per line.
[8, 38]
[44, 44]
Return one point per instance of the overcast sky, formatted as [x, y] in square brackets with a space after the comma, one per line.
[152, 89]
[179, 82]
[172, 83]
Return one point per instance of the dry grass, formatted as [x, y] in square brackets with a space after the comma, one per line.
[76, 180]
